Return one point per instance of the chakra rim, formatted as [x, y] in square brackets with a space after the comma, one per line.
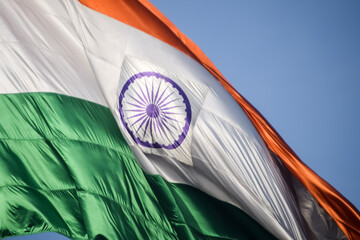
[154, 110]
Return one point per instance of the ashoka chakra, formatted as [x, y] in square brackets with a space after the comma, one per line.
[155, 110]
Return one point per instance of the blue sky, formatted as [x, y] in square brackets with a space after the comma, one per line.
[298, 63]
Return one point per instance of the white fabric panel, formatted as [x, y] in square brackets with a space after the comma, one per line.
[40, 51]
[63, 47]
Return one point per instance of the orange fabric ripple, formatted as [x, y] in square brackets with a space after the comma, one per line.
[141, 14]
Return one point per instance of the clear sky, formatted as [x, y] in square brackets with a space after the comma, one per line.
[298, 63]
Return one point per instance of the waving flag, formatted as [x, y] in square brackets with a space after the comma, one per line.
[116, 126]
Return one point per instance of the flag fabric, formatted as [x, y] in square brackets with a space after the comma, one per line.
[116, 126]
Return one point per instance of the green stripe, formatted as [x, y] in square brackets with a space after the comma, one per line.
[65, 167]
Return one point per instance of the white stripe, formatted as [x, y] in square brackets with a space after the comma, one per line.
[40, 51]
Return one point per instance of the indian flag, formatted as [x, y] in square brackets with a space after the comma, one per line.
[115, 125]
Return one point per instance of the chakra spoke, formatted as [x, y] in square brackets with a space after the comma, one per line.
[152, 91]
[138, 120]
[173, 119]
[142, 123]
[163, 105]
[162, 95]
[135, 105]
[146, 126]
[164, 124]
[151, 120]
[170, 107]
[137, 115]
[157, 92]
[161, 126]
[172, 113]
[143, 95]
[157, 126]
[169, 123]
[140, 97]
[141, 103]
[148, 94]
[166, 98]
